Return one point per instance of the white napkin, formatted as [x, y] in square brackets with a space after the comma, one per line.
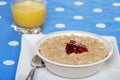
[110, 71]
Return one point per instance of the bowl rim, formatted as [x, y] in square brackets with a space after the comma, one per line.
[67, 65]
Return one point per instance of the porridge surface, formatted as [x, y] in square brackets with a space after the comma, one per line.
[54, 49]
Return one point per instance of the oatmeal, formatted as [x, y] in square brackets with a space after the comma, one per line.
[54, 49]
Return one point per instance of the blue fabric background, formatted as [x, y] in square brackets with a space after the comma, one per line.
[53, 17]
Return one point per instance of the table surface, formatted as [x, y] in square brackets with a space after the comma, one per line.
[101, 17]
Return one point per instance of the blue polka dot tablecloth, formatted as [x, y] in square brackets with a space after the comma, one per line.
[97, 16]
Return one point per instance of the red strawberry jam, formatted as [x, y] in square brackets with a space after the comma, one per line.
[74, 47]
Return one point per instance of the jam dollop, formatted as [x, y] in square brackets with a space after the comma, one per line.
[74, 47]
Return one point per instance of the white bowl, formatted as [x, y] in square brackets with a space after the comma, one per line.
[74, 71]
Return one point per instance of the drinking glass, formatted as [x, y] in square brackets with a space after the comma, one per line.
[28, 15]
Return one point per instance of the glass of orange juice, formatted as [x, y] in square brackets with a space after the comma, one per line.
[28, 15]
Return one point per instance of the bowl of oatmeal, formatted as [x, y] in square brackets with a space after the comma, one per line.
[73, 54]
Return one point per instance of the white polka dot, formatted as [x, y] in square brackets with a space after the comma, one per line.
[116, 4]
[78, 17]
[8, 62]
[59, 9]
[60, 25]
[44, 1]
[0, 17]
[78, 3]
[100, 25]
[97, 10]
[13, 43]
[3, 3]
[117, 18]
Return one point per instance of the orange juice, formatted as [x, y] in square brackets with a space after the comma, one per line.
[28, 14]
